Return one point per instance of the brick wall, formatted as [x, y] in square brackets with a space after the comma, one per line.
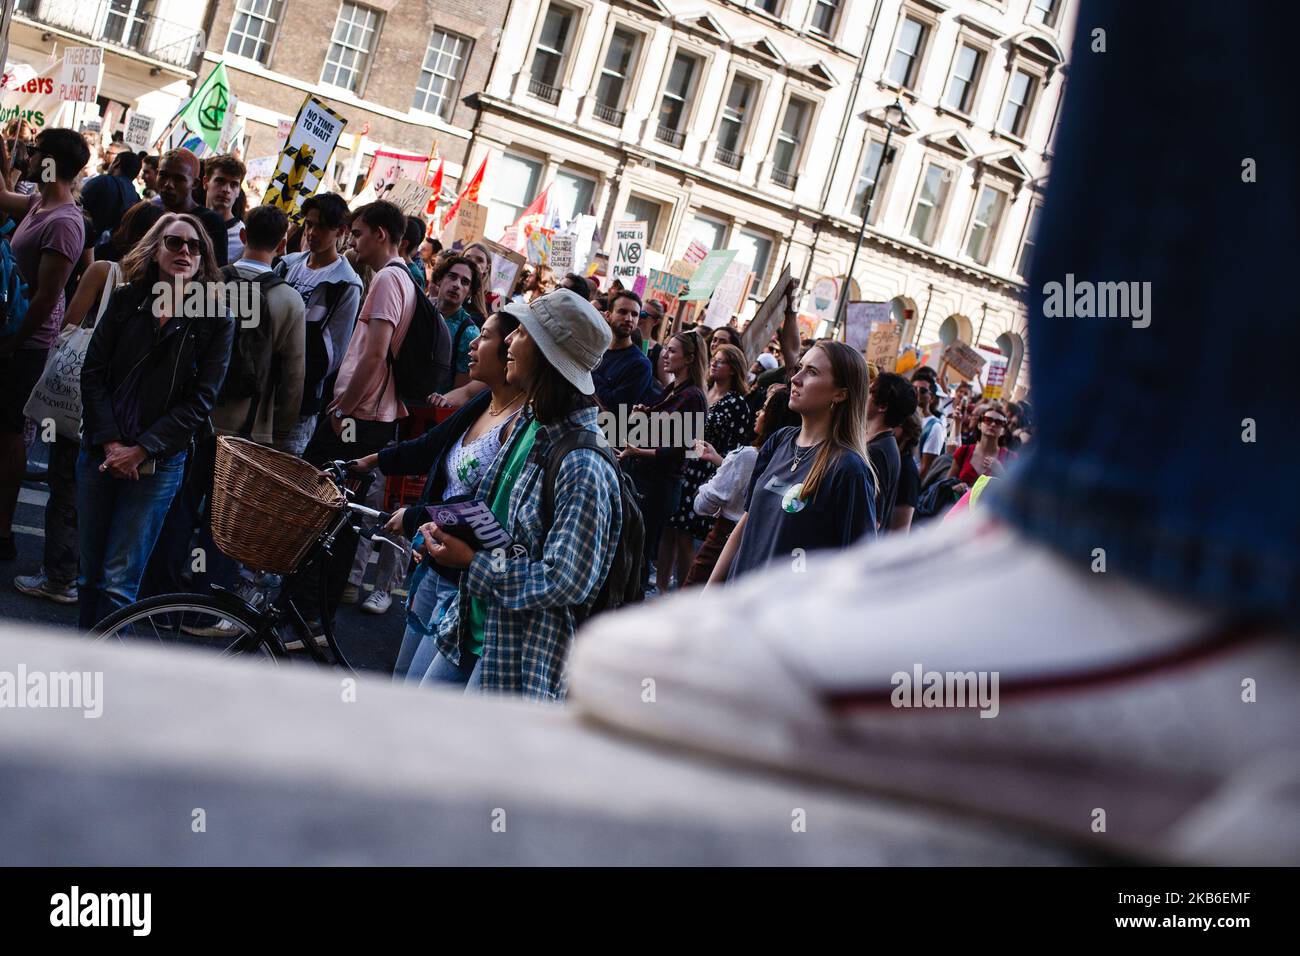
[303, 39]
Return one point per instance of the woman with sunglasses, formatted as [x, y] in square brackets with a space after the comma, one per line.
[727, 425]
[149, 381]
[985, 456]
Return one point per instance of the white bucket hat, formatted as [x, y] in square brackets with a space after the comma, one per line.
[570, 332]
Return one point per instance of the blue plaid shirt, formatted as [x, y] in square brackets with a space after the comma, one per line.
[529, 598]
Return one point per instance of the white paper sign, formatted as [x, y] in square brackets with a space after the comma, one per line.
[83, 71]
[629, 252]
[139, 131]
[562, 254]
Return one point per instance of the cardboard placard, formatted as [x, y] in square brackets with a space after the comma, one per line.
[768, 318]
[504, 270]
[664, 288]
[695, 252]
[467, 227]
[883, 344]
[859, 319]
[628, 261]
[963, 359]
[709, 273]
[997, 376]
[409, 195]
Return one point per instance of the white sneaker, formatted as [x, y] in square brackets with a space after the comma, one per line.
[1108, 697]
[222, 629]
[377, 603]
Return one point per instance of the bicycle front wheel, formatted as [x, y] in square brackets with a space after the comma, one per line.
[214, 622]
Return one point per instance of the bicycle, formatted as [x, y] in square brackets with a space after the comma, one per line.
[223, 621]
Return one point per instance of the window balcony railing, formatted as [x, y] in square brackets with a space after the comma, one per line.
[607, 114]
[544, 91]
[666, 134]
[115, 24]
[783, 178]
[727, 158]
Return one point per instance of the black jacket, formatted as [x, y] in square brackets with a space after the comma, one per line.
[427, 454]
[184, 364]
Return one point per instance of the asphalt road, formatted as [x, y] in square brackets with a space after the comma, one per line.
[368, 641]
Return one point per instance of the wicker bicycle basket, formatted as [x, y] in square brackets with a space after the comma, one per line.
[268, 508]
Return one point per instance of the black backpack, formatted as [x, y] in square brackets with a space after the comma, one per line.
[623, 583]
[250, 355]
[423, 364]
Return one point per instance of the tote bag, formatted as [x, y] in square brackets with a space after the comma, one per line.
[57, 395]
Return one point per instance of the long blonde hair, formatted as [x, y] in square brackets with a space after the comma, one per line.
[848, 431]
[697, 360]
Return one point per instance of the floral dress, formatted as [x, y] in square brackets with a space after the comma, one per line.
[727, 425]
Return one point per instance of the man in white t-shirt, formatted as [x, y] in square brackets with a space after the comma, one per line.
[934, 432]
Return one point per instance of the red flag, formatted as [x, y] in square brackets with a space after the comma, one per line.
[436, 195]
[470, 192]
[532, 218]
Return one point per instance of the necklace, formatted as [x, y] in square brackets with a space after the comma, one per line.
[800, 456]
[493, 411]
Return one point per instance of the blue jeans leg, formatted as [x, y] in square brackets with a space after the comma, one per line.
[443, 673]
[120, 524]
[427, 604]
[1145, 446]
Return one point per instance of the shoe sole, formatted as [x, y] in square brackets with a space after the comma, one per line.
[39, 593]
[1151, 816]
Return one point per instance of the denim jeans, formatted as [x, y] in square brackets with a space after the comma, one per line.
[467, 674]
[660, 497]
[61, 549]
[427, 601]
[1166, 440]
[118, 524]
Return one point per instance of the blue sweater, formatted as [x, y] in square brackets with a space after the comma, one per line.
[623, 377]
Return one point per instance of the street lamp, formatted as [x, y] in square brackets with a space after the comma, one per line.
[894, 116]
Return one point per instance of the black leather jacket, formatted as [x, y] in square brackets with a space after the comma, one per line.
[182, 366]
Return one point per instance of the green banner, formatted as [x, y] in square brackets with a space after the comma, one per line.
[708, 274]
[205, 113]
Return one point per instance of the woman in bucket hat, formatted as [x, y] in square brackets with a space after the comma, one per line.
[512, 627]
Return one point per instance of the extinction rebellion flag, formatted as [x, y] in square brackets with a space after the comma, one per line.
[205, 113]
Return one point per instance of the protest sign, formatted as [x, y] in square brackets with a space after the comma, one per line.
[825, 297]
[583, 229]
[629, 251]
[409, 195]
[467, 227]
[562, 253]
[305, 157]
[859, 318]
[728, 293]
[537, 247]
[768, 318]
[664, 288]
[883, 344]
[31, 96]
[695, 252]
[996, 376]
[504, 270]
[260, 168]
[283, 127]
[963, 359]
[709, 273]
[139, 131]
[82, 73]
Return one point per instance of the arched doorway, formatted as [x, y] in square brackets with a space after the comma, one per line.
[1012, 345]
[953, 328]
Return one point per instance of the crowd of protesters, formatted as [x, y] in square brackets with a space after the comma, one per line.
[800, 448]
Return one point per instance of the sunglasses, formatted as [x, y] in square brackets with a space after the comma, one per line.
[177, 243]
[990, 420]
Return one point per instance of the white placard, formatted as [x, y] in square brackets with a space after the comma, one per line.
[139, 132]
[83, 71]
[562, 247]
[629, 252]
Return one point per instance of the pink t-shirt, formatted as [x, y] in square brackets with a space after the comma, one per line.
[60, 230]
[391, 299]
